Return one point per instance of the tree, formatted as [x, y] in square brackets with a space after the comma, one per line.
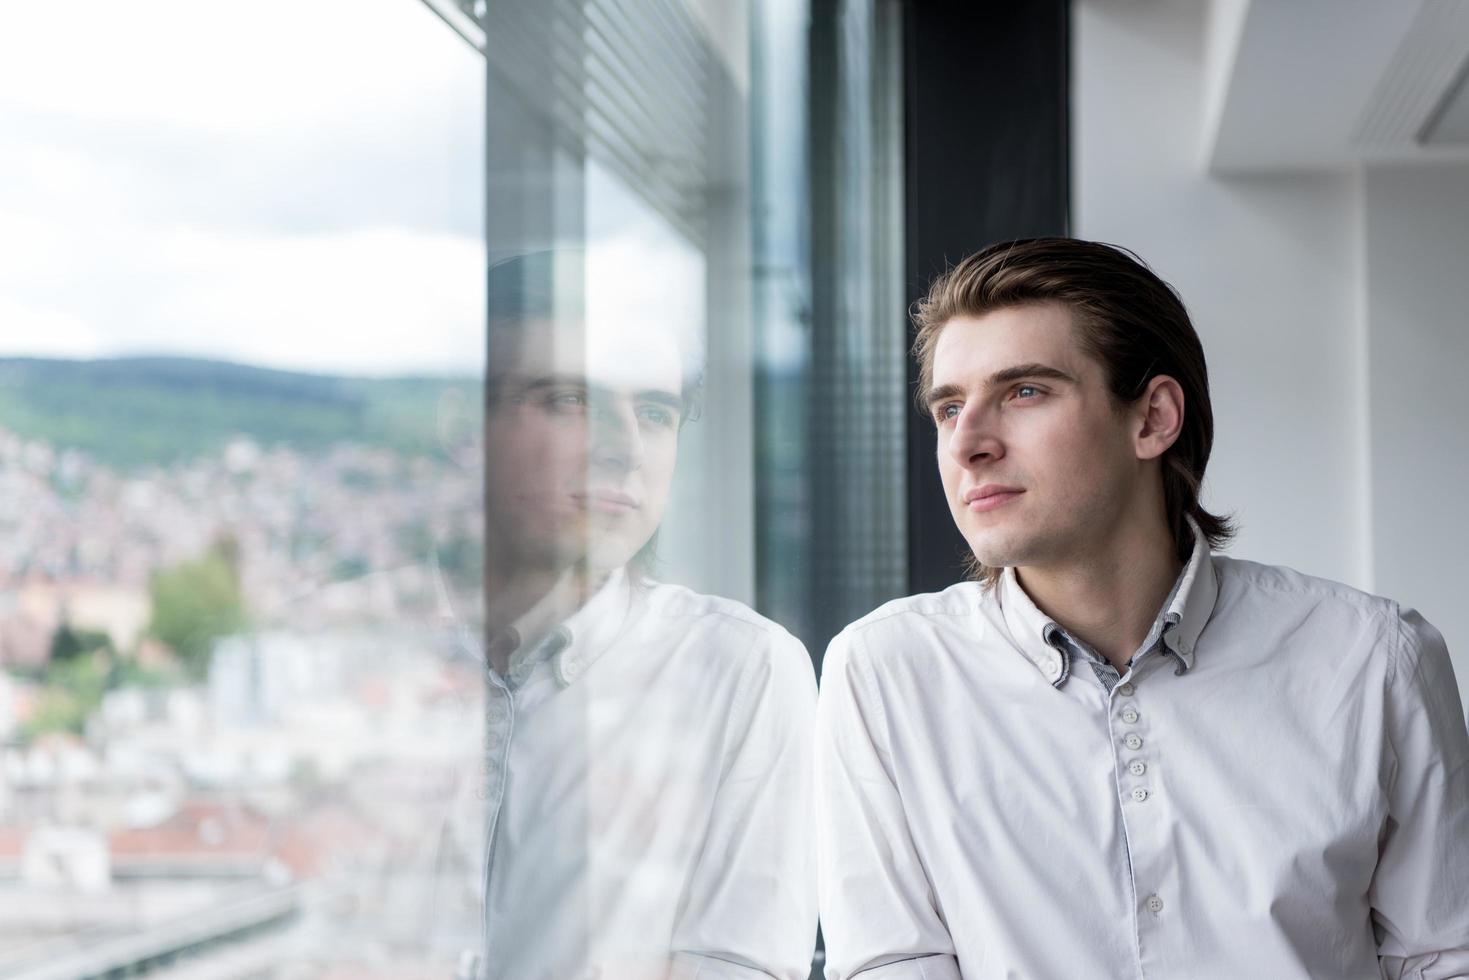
[196, 603]
[68, 643]
[71, 690]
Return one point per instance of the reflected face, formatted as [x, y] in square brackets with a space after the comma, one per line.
[581, 438]
[1036, 461]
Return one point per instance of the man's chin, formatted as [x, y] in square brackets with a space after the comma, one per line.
[593, 549]
[610, 557]
[994, 553]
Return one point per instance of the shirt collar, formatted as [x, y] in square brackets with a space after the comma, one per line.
[1027, 626]
[1190, 607]
[1194, 602]
[595, 627]
[577, 642]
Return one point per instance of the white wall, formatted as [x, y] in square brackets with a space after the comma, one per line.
[1418, 316]
[1274, 270]
[1266, 266]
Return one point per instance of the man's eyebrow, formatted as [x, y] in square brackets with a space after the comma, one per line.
[942, 393]
[1004, 376]
[1034, 369]
[658, 396]
[552, 380]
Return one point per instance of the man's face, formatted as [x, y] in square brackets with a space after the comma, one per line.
[1037, 464]
[581, 441]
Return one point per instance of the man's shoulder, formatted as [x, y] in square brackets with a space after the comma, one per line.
[723, 641]
[671, 601]
[1250, 583]
[733, 624]
[923, 625]
[1295, 609]
[961, 599]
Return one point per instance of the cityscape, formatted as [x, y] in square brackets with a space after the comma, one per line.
[239, 710]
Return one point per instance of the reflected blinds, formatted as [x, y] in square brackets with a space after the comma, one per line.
[626, 84]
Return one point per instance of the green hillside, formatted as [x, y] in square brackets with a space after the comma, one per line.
[132, 412]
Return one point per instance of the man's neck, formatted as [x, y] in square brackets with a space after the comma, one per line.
[1109, 600]
[511, 594]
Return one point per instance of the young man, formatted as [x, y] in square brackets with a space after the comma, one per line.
[646, 773]
[1117, 754]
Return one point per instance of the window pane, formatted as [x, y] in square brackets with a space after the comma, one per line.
[241, 486]
[366, 614]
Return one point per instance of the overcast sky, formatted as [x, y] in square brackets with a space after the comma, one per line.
[293, 183]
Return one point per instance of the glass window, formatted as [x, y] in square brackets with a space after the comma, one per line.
[241, 486]
[437, 440]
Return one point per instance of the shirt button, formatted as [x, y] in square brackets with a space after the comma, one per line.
[1139, 795]
[1129, 715]
[1125, 690]
[1136, 768]
[1155, 904]
[1133, 742]
[570, 668]
[1053, 669]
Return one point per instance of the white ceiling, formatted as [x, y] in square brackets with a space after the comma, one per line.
[1329, 84]
[1451, 124]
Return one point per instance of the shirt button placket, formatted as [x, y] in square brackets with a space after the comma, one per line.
[498, 723]
[1140, 808]
[499, 726]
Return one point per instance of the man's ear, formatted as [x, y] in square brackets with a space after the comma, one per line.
[1159, 416]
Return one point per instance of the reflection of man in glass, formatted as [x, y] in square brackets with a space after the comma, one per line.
[647, 750]
[582, 435]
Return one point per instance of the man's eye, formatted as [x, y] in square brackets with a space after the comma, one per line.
[1025, 391]
[947, 412]
[567, 401]
[656, 415]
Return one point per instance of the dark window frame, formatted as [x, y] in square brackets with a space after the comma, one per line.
[987, 158]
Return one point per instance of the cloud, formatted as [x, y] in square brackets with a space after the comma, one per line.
[354, 302]
[296, 184]
[373, 301]
[51, 332]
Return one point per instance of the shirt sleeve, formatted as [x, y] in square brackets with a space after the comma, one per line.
[1420, 890]
[878, 911]
[750, 911]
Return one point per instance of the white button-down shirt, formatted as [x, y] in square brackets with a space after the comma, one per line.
[646, 793]
[1282, 792]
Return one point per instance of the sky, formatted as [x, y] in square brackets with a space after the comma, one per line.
[292, 183]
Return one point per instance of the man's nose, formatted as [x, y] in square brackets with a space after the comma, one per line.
[974, 438]
[616, 440]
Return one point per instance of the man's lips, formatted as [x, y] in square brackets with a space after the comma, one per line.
[989, 496]
[607, 501]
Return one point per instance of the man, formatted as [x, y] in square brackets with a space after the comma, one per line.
[1118, 754]
[646, 774]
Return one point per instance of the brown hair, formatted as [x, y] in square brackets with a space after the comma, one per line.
[1127, 319]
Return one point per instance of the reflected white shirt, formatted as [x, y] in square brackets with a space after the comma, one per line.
[647, 795]
[1284, 796]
